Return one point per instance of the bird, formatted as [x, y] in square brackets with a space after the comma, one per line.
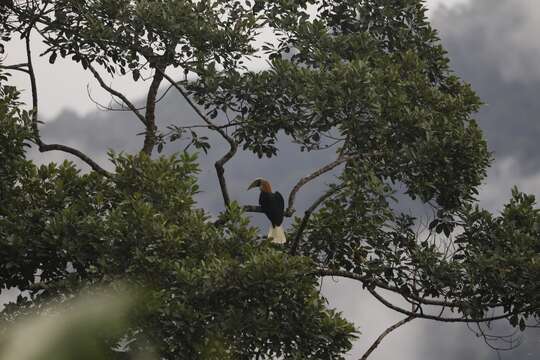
[273, 206]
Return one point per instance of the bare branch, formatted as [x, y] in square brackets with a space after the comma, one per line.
[384, 334]
[509, 341]
[389, 305]
[50, 147]
[224, 126]
[67, 149]
[17, 67]
[233, 146]
[118, 94]
[303, 181]
[407, 296]
[290, 207]
[307, 215]
[365, 279]
[253, 208]
[122, 106]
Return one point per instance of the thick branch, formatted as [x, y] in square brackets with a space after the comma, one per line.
[150, 115]
[384, 334]
[220, 170]
[118, 94]
[233, 146]
[50, 147]
[307, 215]
[303, 181]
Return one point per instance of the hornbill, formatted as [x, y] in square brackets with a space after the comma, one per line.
[273, 205]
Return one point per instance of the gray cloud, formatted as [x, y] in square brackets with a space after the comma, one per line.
[492, 44]
[504, 34]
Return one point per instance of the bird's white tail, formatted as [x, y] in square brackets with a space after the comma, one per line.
[277, 234]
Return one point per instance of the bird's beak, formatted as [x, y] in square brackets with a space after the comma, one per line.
[252, 185]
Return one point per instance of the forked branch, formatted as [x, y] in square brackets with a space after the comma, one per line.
[292, 196]
[233, 146]
[122, 107]
[408, 296]
[150, 115]
[303, 181]
[307, 214]
[421, 315]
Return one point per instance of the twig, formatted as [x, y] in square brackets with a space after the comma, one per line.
[307, 215]
[384, 334]
[122, 106]
[50, 147]
[513, 339]
[118, 94]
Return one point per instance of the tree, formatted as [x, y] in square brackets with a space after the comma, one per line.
[367, 79]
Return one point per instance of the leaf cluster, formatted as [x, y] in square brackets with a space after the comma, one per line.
[211, 292]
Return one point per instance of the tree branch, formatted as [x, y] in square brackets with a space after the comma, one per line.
[17, 67]
[253, 208]
[510, 341]
[233, 146]
[50, 147]
[303, 181]
[384, 334]
[224, 126]
[122, 107]
[67, 149]
[307, 215]
[434, 317]
[118, 94]
[150, 115]
[380, 284]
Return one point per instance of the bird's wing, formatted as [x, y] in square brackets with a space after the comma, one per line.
[279, 200]
[261, 199]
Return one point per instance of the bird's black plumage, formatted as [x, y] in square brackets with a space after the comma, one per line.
[273, 206]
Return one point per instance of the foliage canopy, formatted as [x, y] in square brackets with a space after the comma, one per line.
[367, 79]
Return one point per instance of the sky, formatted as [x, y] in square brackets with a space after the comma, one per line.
[493, 44]
[65, 84]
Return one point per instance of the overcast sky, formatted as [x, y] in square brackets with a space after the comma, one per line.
[64, 85]
[492, 43]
